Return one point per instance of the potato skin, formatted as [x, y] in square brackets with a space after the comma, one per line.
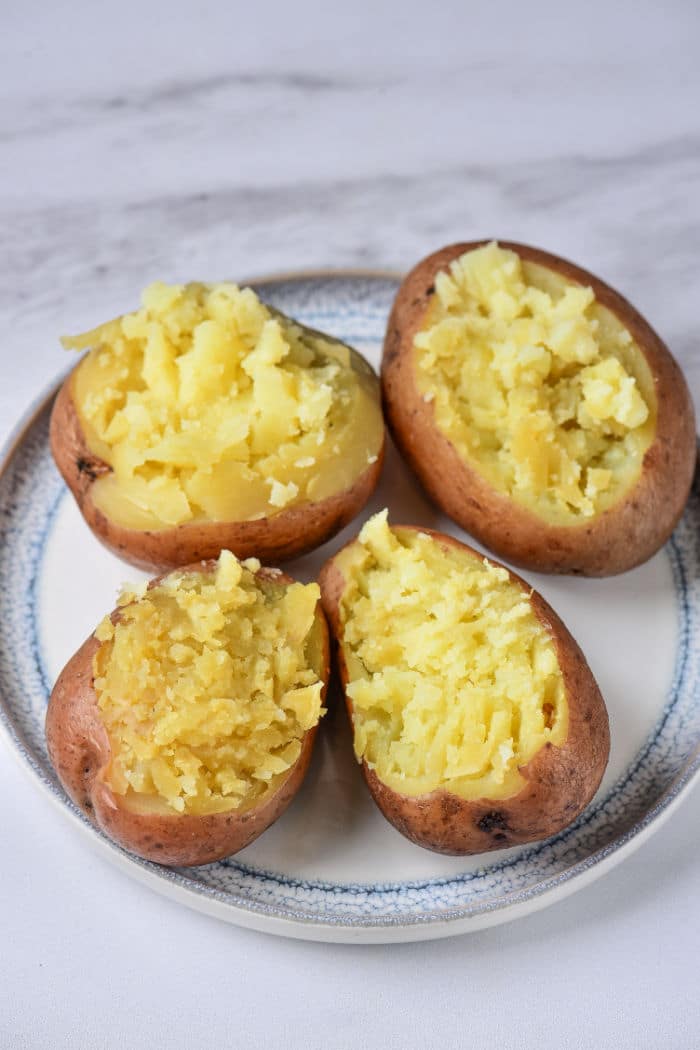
[560, 781]
[621, 537]
[280, 537]
[80, 753]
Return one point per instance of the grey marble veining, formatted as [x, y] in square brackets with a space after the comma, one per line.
[139, 144]
[158, 138]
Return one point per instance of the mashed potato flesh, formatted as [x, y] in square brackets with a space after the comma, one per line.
[454, 681]
[206, 686]
[209, 406]
[537, 386]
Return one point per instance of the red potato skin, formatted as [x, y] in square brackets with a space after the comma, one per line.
[618, 539]
[559, 781]
[80, 752]
[279, 538]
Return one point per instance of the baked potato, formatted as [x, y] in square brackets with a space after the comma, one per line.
[476, 718]
[538, 409]
[209, 421]
[184, 726]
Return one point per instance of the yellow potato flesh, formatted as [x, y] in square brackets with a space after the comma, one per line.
[540, 388]
[206, 686]
[208, 406]
[453, 679]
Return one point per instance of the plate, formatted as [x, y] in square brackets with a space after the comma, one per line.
[332, 868]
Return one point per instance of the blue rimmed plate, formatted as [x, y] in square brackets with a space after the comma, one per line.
[332, 868]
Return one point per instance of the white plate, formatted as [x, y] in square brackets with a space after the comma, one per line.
[332, 868]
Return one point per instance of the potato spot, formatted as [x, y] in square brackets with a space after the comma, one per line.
[540, 388]
[454, 681]
[209, 406]
[206, 685]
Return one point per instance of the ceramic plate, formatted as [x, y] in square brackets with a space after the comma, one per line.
[332, 868]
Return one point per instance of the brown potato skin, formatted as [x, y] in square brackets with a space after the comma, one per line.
[80, 753]
[626, 534]
[281, 537]
[560, 781]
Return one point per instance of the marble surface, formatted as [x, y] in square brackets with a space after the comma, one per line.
[164, 140]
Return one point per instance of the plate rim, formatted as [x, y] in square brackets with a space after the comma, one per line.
[258, 916]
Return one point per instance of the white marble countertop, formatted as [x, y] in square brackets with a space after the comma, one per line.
[178, 141]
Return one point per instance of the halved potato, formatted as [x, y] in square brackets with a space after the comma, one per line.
[184, 726]
[476, 718]
[209, 421]
[537, 407]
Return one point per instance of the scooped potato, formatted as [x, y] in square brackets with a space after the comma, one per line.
[538, 408]
[208, 421]
[184, 726]
[475, 716]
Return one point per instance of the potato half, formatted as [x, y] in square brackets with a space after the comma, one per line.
[476, 718]
[184, 726]
[537, 407]
[208, 421]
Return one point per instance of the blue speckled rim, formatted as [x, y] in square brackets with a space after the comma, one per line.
[354, 307]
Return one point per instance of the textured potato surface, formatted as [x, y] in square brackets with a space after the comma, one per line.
[454, 681]
[535, 384]
[207, 405]
[206, 686]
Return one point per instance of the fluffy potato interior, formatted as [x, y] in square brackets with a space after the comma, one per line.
[454, 681]
[536, 384]
[206, 685]
[209, 406]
